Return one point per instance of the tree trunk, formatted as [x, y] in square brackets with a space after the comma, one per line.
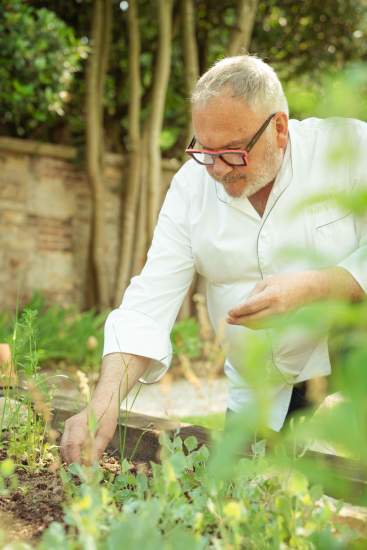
[133, 180]
[240, 38]
[159, 92]
[141, 231]
[190, 51]
[191, 73]
[96, 74]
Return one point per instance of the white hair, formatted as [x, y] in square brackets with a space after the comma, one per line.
[245, 76]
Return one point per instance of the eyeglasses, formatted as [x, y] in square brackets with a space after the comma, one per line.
[232, 157]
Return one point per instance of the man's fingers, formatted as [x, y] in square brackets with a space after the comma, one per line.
[99, 446]
[256, 320]
[73, 453]
[63, 445]
[78, 444]
[70, 442]
[70, 451]
[253, 305]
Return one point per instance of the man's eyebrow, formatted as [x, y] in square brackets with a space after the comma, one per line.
[229, 145]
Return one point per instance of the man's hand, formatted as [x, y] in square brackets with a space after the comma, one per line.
[120, 372]
[277, 295]
[281, 294]
[79, 444]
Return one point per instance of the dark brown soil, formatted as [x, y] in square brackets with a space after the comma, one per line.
[32, 506]
[38, 501]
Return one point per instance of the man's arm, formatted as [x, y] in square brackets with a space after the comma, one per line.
[280, 294]
[141, 326]
[119, 374]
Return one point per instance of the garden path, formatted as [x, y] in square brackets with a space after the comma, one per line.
[168, 398]
[179, 398]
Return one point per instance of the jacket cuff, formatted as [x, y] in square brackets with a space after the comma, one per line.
[128, 331]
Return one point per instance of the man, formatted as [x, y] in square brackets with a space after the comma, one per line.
[228, 216]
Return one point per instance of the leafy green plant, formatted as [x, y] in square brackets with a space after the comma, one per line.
[177, 504]
[185, 338]
[63, 334]
[39, 56]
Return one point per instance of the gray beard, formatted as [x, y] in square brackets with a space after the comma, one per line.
[270, 167]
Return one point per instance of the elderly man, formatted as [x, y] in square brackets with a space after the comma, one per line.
[227, 215]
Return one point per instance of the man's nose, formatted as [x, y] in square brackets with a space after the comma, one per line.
[220, 168]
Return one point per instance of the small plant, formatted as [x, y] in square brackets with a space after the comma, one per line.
[26, 413]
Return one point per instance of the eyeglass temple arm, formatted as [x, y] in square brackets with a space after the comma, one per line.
[259, 132]
[192, 143]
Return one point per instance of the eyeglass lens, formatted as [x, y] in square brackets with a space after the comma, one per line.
[234, 159]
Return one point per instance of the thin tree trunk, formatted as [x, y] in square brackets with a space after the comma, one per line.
[191, 73]
[190, 51]
[96, 74]
[106, 37]
[240, 38]
[135, 154]
[161, 76]
[141, 231]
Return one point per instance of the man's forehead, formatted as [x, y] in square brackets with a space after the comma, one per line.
[224, 101]
[224, 111]
[223, 129]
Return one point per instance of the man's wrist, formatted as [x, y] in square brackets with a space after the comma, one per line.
[119, 373]
[335, 283]
[316, 286]
[105, 403]
[321, 283]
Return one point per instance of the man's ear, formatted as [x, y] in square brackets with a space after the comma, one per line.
[281, 125]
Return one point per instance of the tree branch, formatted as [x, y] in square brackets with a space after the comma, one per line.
[190, 51]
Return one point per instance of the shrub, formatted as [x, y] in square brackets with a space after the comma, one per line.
[40, 54]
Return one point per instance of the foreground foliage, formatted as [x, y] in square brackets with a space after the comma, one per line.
[178, 504]
[198, 498]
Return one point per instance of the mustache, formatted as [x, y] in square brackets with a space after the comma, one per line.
[232, 179]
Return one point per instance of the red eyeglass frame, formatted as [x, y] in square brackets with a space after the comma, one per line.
[218, 153]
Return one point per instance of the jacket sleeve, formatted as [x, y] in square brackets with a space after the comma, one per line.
[143, 322]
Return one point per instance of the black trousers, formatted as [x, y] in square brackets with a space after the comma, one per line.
[299, 399]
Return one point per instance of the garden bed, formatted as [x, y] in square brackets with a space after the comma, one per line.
[41, 496]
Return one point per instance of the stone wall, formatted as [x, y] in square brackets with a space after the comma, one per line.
[45, 213]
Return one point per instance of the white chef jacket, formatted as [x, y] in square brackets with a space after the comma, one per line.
[201, 228]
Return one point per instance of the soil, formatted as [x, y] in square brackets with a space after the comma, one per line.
[38, 501]
[32, 506]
